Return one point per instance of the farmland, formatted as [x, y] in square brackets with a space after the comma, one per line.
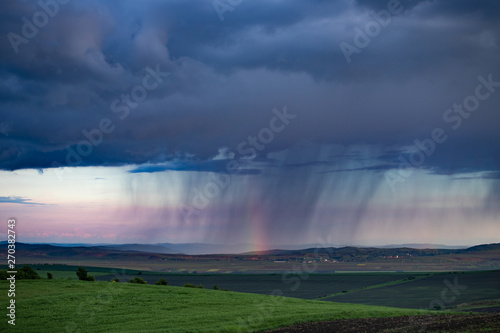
[299, 286]
[461, 288]
[67, 304]
[405, 290]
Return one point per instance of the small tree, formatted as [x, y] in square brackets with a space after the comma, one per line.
[215, 287]
[49, 276]
[138, 280]
[82, 274]
[161, 282]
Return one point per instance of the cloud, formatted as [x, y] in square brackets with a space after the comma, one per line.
[226, 77]
[18, 200]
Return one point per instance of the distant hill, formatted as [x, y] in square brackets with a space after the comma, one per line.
[422, 246]
[140, 248]
[374, 252]
[483, 247]
[166, 248]
[125, 251]
[205, 248]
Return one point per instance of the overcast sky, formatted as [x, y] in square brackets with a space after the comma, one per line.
[259, 122]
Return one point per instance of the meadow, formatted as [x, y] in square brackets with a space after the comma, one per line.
[79, 306]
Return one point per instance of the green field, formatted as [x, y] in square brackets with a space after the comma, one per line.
[420, 293]
[402, 290]
[300, 286]
[80, 306]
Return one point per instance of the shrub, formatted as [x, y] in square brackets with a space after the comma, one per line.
[49, 276]
[437, 307]
[189, 285]
[115, 280]
[138, 280]
[215, 287]
[161, 282]
[27, 273]
[3, 275]
[199, 286]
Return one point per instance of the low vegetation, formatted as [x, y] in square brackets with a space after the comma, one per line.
[161, 282]
[138, 280]
[24, 273]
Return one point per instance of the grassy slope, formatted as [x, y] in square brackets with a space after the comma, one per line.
[77, 306]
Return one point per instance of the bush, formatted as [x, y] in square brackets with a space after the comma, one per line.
[49, 276]
[161, 282]
[215, 287]
[189, 285]
[437, 307]
[199, 286]
[27, 273]
[138, 280]
[82, 274]
[115, 280]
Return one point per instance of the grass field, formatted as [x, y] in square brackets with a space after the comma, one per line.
[69, 271]
[80, 306]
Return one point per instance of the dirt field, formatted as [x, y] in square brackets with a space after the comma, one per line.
[445, 323]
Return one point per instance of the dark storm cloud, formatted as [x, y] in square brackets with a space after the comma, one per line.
[226, 76]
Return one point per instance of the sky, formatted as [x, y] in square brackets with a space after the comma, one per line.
[265, 123]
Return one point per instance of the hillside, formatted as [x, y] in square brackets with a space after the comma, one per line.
[60, 305]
